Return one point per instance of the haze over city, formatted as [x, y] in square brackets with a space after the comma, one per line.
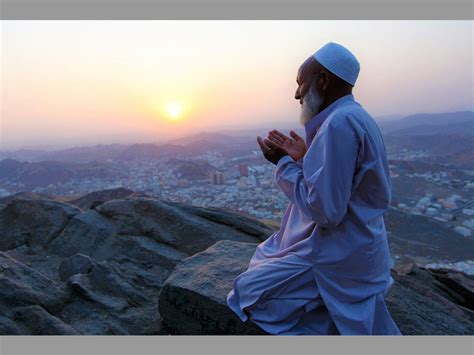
[67, 83]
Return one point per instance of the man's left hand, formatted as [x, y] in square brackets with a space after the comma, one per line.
[272, 152]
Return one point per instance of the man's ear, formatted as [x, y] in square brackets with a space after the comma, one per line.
[324, 81]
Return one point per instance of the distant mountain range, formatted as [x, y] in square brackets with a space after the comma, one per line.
[447, 136]
[425, 124]
[38, 174]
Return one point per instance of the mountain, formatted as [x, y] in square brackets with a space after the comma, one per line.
[193, 169]
[138, 265]
[149, 151]
[101, 152]
[431, 124]
[443, 137]
[31, 175]
[217, 138]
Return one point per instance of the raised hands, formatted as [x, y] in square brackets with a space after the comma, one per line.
[272, 152]
[294, 146]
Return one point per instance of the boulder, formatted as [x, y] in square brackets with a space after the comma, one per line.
[88, 233]
[29, 301]
[76, 264]
[93, 199]
[420, 307]
[21, 285]
[100, 271]
[115, 299]
[33, 222]
[193, 299]
[37, 321]
[169, 224]
[233, 219]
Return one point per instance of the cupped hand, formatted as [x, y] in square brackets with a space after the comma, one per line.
[271, 151]
[294, 146]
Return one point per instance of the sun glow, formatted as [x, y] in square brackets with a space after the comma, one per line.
[174, 110]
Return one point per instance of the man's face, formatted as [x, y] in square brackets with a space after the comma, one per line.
[307, 92]
[303, 79]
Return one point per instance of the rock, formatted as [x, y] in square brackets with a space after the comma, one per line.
[419, 307]
[88, 233]
[108, 300]
[23, 286]
[35, 222]
[457, 285]
[76, 264]
[193, 299]
[100, 271]
[169, 224]
[146, 266]
[148, 252]
[404, 269]
[26, 195]
[96, 204]
[39, 322]
[232, 219]
[93, 199]
[8, 326]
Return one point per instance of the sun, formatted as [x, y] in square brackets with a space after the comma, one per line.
[174, 110]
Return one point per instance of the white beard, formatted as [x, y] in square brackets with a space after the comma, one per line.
[312, 101]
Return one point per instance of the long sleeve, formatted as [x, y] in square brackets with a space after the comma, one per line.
[323, 186]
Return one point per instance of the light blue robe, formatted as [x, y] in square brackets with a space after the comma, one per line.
[327, 269]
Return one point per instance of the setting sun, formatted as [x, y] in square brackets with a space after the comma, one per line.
[174, 110]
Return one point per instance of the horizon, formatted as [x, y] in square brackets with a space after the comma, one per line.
[233, 132]
[139, 84]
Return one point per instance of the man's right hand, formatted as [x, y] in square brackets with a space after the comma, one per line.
[294, 146]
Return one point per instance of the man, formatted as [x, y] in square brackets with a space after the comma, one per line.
[327, 270]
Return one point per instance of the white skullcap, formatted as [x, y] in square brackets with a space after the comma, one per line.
[339, 61]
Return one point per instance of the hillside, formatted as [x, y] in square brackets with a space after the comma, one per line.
[137, 265]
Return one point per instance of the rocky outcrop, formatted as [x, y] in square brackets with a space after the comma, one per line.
[170, 224]
[33, 222]
[420, 305]
[193, 298]
[138, 265]
[64, 270]
[95, 198]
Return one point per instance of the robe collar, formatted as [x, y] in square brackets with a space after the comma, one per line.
[311, 127]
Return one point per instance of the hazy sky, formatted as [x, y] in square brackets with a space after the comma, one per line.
[86, 82]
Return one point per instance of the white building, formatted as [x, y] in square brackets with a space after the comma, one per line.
[465, 232]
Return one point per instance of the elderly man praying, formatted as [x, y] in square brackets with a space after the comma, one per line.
[327, 269]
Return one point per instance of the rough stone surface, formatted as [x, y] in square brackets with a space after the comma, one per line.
[89, 233]
[33, 221]
[169, 224]
[87, 201]
[421, 307]
[193, 298]
[98, 271]
[76, 264]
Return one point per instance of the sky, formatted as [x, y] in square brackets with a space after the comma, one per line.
[69, 83]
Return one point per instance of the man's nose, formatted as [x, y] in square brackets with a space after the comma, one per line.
[297, 95]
